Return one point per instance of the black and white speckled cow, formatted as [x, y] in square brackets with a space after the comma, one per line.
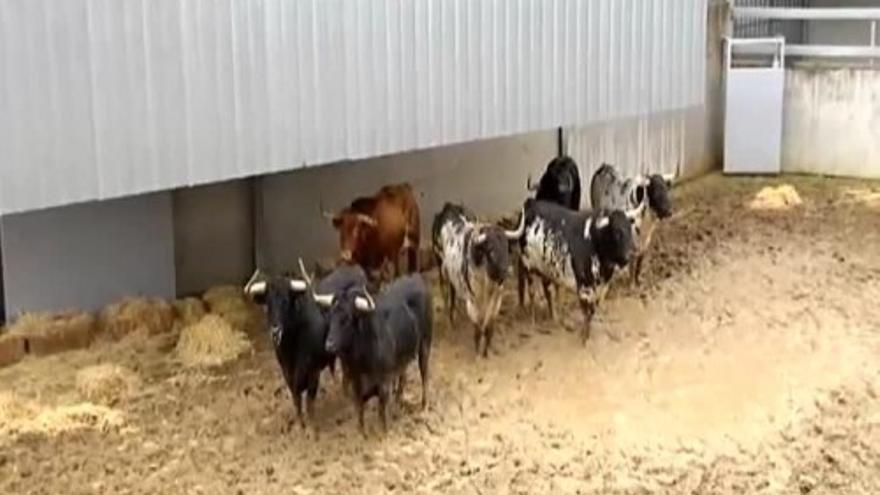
[474, 262]
[575, 250]
[610, 190]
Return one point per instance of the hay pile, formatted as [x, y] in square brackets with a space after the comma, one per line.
[188, 311]
[19, 416]
[48, 333]
[140, 316]
[106, 384]
[14, 410]
[230, 303]
[776, 198]
[211, 342]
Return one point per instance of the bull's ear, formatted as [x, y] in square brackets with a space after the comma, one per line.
[336, 220]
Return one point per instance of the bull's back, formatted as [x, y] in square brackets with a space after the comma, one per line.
[603, 186]
[411, 294]
[397, 214]
[554, 236]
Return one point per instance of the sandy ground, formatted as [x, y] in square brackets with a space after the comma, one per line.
[746, 363]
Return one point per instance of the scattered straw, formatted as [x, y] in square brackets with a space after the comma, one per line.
[211, 342]
[141, 316]
[189, 311]
[106, 384]
[20, 416]
[77, 417]
[776, 198]
[14, 409]
[230, 303]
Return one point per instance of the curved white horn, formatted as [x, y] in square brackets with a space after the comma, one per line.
[635, 213]
[253, 279]
[516, 234]
[529, 185]
[255, 288]
[298, 285]
[324, 300]
[364, 303]
[668, 178]
[602, 222]
[480, 238]
[302, 269]
[367, 219]
[326, 214]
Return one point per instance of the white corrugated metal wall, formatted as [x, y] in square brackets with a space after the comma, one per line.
[106, 98]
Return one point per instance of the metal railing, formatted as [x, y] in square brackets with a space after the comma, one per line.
[871, 50]
[793, 31]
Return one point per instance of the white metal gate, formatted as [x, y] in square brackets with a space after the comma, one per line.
[754, 105]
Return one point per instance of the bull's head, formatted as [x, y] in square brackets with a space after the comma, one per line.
[612, 234]
[658, 195]
[490, 250]
[280, 296]
[354, 229]
[347, 310]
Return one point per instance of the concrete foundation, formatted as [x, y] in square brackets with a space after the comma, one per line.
[87, 255]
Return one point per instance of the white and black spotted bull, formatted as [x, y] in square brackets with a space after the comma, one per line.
[575, 250]
[609, 190]
[474, 261]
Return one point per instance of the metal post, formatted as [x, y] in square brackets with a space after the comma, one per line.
[560, 142]
[873, 40]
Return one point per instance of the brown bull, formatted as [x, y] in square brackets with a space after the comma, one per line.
[374, 230]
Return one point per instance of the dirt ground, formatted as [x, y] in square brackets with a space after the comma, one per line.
[746, 363]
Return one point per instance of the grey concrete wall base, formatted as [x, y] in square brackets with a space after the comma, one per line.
[87, 255]
[213, 235]
[489, 176]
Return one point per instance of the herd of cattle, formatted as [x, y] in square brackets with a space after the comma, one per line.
[376, 334]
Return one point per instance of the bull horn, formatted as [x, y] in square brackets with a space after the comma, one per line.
[367, 219]
[323, 300]
[481, 238]
[305, 274]
[602, 222]
[516, 234]
[364, 303]
[248, 287]
[669, 178]
[529, 186]
[298, 285]
[255, 288]
[635, 213]
[324, 213]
